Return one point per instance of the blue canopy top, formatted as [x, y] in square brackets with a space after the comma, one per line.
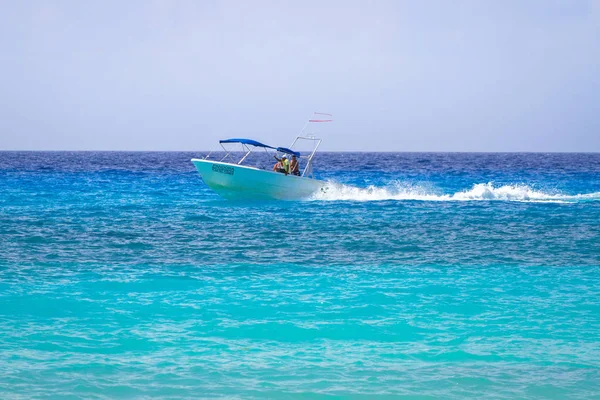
[259, 144]
[288, 151]
[247, 141]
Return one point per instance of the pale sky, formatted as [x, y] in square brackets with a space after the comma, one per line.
[503, 75]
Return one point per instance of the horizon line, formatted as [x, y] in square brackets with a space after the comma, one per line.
[324, 151]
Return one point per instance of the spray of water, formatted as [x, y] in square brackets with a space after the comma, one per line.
[480, 191]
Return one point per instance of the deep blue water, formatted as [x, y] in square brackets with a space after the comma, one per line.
[423, 275]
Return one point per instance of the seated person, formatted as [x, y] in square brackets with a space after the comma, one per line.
[282, 165]
[294, 166]
[278, 167]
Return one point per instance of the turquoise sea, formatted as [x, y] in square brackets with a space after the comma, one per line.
[418, 275]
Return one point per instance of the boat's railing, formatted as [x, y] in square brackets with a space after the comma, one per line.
[307, 172]
[247, 150]
[314, 118]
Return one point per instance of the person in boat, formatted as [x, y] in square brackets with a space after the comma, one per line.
[286, 164]
[278, 167]
[294, 166]
[282, 165]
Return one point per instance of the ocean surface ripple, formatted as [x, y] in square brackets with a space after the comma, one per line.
[442, 275]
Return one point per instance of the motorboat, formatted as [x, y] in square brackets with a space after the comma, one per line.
[234, 180]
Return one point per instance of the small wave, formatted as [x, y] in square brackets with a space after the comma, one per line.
[480, 191]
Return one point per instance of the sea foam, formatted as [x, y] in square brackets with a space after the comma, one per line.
[480, 191]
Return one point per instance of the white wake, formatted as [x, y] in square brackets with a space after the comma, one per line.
[480, 191]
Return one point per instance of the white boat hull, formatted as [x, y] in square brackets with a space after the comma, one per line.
[234, 181]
